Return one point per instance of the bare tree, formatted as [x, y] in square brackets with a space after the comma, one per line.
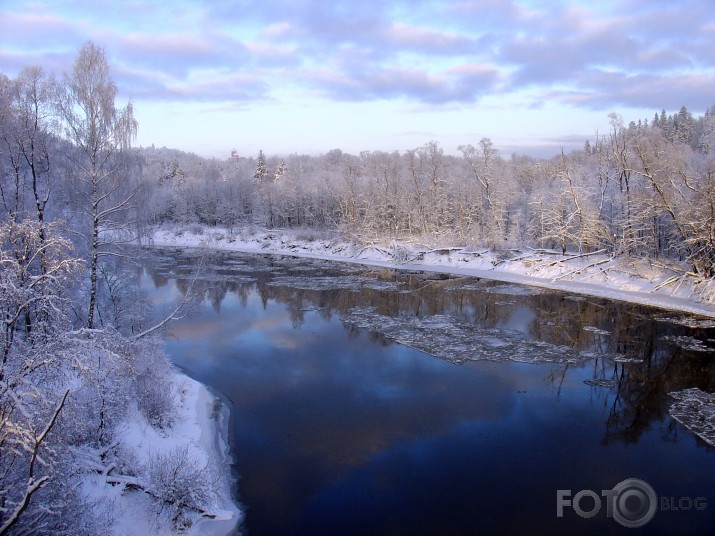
[30, 295]
[12, 178]
[101, 132]
[33, 112]
[484, 163]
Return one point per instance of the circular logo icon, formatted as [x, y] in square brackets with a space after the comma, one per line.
[635, 503]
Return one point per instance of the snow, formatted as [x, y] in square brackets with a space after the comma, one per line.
[201, 427]
[631, 280]
[695, 409]
[454, 340]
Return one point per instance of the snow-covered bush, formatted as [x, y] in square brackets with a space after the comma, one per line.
[155, 395]
[101, 368]
[181, 484]
[705, 290]
[196, 229]
[401, 254]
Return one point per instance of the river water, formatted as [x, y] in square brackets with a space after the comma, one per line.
[374, 401]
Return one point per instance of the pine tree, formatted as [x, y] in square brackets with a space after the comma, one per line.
[261, 170]
[280, 171]
[704, 144]
[683, 126]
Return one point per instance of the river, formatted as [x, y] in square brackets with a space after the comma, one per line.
[375, 401]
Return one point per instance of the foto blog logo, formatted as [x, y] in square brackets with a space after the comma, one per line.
[631, 503]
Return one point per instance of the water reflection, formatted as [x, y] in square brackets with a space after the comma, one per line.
[339, 430]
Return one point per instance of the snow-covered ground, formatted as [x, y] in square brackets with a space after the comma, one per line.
[199, 436]
[632, 280]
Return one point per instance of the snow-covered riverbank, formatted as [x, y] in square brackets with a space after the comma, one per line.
[635, 281]
[197, 443]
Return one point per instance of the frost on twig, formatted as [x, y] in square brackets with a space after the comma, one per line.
[181, 484]
[695, 409]
[33, 482]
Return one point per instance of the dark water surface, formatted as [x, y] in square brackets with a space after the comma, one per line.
[338, 429]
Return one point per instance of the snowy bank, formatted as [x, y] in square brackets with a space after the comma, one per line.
[196, 443]
[596, 274]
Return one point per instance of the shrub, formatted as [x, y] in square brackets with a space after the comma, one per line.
[155, 396]
[181, 484]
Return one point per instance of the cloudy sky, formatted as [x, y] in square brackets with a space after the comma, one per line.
[307, 76]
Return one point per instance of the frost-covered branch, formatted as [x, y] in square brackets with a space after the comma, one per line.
[33, 484]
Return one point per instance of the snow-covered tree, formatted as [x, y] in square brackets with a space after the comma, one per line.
[35, 274]
[261, 169]
[280, 171]
[101, 133]
[708, 128]
[65, 393]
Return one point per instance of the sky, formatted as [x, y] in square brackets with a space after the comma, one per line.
[309, 76]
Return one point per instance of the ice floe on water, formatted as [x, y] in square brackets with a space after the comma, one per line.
[513, 290]
[695, 409]
[688, 343]
[623, 359]
[616, 358]
[690, 322]
[574, 298]
[227, 278]
[504, 289]
[204, 271]
[453, 339]
[466, 286]
[304, 268]
[333, 282]
[596, 382]
[596, 331]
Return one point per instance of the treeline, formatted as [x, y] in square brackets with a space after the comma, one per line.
[644, 189]
[76, 360]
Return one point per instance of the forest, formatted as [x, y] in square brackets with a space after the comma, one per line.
[76, 349]
[643, 189]
[77, 357]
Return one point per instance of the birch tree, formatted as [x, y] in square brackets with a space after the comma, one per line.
[102, 133]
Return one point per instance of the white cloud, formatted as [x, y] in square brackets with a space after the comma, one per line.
[632, 55]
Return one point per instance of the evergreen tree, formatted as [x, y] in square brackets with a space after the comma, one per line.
[280, 171]
[704, 143]
[683, 126]
[261, 170]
